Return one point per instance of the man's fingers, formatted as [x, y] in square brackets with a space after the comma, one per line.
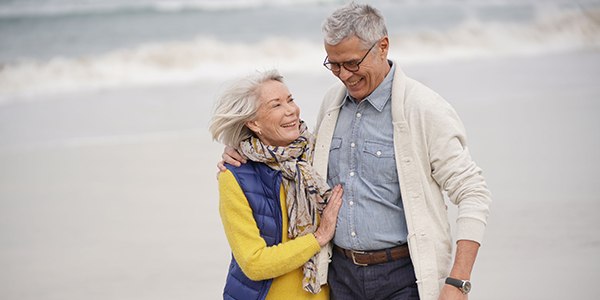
[234, 155]
[221, 166]
[227, 158]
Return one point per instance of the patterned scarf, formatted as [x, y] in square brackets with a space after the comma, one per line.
[307, 192]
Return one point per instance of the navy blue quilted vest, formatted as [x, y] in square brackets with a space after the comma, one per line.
[261, 185]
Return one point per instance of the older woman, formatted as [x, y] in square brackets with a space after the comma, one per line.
[272, 205]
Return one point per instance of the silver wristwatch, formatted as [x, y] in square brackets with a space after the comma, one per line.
[463, 285]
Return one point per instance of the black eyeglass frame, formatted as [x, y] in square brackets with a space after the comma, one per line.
[329, 65]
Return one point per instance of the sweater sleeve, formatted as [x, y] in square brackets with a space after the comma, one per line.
[257, 260]
[454, 169]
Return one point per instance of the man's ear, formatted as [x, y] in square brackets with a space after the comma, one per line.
[384, 46]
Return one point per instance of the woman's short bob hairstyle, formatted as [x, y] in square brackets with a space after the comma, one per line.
[360, 20]
[238, 105]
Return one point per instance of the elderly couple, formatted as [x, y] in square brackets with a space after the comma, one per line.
[356, 210]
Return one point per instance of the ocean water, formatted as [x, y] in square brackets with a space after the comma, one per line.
[50, 46]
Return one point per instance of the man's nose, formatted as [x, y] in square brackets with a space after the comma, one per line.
[344, 74]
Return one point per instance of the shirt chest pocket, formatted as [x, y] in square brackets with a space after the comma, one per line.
[379, 163]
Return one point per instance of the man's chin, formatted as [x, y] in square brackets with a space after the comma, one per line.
[356, 92]
[356, 95]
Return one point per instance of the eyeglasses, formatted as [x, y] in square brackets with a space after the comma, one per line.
[351, 66]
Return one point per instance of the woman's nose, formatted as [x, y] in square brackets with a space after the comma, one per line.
[291, 109]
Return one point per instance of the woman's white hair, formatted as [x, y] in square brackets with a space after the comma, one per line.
[360, 20]
[238, 105]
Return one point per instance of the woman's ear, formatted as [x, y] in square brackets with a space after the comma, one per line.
[253, 125]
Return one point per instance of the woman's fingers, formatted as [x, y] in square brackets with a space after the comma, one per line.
[335, 201]
[326, 229]
[333, 206]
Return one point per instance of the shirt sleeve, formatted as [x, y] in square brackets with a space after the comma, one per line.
[257, 260]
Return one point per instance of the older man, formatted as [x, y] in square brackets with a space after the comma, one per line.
[395, 146]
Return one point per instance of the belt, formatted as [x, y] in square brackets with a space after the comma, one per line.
[366, 258]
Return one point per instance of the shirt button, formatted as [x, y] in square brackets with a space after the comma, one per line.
[358, 115]
[378, 153]
[351, 174]
[353, 233]
[351, 203]
[352, 145]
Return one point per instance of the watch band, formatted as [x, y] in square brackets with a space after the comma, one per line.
[463, 285]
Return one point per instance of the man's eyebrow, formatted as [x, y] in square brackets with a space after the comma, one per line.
[343, 62]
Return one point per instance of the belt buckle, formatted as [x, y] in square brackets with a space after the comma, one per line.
[354, 258]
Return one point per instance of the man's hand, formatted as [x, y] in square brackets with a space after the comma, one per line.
[232, 157]
[466, 252]
[452, 293]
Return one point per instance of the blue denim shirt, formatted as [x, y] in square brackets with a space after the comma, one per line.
[361, 158]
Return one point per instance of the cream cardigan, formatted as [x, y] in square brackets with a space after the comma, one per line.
[431, 156]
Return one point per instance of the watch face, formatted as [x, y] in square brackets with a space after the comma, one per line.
[466, 287]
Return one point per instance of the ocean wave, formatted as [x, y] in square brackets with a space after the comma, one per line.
[552, 31]
[203, 58]
[210, 59]
[66, 8]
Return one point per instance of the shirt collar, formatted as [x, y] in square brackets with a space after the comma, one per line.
[379, 97]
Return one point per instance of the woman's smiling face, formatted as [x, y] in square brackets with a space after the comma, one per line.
[277, 121]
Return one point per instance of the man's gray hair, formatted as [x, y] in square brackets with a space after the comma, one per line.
[361, 20]
[238, 105]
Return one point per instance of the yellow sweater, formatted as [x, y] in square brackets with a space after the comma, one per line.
[282, 262]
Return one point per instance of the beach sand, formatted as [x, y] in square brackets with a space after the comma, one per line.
[112, 194]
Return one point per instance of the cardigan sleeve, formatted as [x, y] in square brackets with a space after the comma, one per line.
[454, 169]
[257, 260]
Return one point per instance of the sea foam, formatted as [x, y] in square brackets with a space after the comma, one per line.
[206, 58]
